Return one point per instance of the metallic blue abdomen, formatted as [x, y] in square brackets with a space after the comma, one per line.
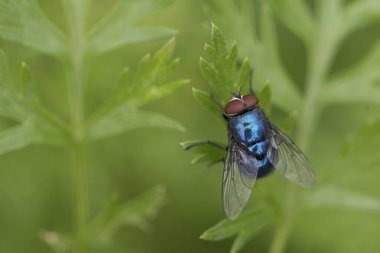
[251, 130]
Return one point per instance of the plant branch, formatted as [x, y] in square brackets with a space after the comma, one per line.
[76, 12]
[321, 53]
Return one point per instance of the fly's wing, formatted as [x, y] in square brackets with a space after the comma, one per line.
[239, 176]
[289, 160]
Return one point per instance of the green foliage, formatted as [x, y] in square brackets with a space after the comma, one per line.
[208, 153]
[103, 228]
[24, 22]
[121, 112]
[265, 99]
[19, 102]
[210, 104]
[136, 212]
[322, 35]
[222, 71]
[226, 75]
[247, 226]
[122, 26]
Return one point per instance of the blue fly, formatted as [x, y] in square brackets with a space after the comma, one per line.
[256, 148]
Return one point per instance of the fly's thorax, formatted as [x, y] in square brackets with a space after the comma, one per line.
[249, 127]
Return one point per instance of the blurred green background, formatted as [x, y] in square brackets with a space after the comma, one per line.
[36, 184]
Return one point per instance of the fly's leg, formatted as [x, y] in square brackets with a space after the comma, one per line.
[211, 143]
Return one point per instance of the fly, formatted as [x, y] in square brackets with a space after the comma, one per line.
[256, 147]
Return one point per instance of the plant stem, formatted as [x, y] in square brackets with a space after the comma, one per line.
[75, 9]
[321, 52]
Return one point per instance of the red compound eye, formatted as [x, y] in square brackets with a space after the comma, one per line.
[233, 107]
[250, 101]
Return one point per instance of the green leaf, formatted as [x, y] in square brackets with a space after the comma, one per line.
[265, 99]
[120, 112]
[244, 237]
[262, 51]
[37, 124]
[122, 26]
[10, 99]
[244, 75]
[210, 104]
[358, 14]
[15, 138]
[150, 81]
[209, 152]
[124, 118]
[156, 93]
[333, 197]
[222, 71]
[136, 212]
[246, 227]
[24, 22]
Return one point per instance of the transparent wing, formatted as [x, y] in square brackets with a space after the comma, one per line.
[289, 160]
[239, 176]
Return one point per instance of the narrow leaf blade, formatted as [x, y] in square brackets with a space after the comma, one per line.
[209, 104]
[123, 118]
[24, 22]
[122, 26]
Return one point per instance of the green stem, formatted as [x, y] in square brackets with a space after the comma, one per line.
[76, 12]
[81, 195]
[321, 52]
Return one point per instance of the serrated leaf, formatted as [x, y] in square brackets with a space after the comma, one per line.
[262, 51]
[151, 75]
[214, 80]
[124, 118]
[120, 112]
[244, 75]
[155, 93]
[245, 228]
[136, 212]
[232, 59]
[333, 197]
[209, 152]
[210, 104]
[37, 125]
[223, 71]
[218, 41]
[24, 22]
[265, 98]
[122, 26]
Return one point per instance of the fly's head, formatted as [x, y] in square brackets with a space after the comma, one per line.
[239, 105]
